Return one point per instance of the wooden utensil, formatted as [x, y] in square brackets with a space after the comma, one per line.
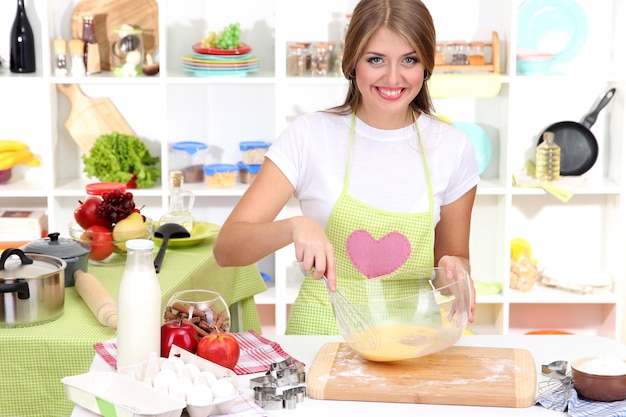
[97, 298]
[111, 14]
[458, 375]
[90, 118]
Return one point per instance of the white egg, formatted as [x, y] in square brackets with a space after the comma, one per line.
[222, 388]
[167, 364]
[177, 362]
[163, 379]
[189, 371]
[180, 388]
[206, 377]
[200, 395]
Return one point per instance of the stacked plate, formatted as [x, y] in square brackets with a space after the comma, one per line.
[206, 61]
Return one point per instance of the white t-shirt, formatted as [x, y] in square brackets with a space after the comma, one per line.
[387, 171]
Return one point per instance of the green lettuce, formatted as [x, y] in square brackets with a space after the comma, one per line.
[116, 157]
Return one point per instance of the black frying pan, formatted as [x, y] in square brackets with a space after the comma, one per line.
[579, 147]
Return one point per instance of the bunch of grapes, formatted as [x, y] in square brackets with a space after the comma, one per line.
[229, 38]
[116, 205]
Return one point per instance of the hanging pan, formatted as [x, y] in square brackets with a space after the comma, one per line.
[579, 147]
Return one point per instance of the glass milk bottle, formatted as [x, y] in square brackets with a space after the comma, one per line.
[178, 211]
[138, 306]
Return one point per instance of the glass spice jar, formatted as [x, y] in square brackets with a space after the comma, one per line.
[295, 60]
[320, 61]
[440, 57]
[460, 54]
[477, 53]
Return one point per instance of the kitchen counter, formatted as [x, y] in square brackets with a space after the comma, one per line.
[33, 359]
[544, 348]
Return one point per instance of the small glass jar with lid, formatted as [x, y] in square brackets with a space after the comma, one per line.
[295, 60]
[460, 55]
[320, 61]
[477, 53]
[440, 57]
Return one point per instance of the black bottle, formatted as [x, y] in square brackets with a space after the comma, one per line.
[22, 42]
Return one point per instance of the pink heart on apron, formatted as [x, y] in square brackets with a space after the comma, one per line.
[374, 258]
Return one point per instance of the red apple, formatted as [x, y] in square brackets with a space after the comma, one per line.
[101, 241]
[219, 348]
[86, 214]
[180, 333]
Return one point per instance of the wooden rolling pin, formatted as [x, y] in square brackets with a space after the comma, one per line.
[97, 298]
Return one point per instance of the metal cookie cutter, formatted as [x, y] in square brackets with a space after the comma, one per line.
[266, 397]
[281, 374]
[555, 369]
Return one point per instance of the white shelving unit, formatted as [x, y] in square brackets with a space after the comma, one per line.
[585, 234]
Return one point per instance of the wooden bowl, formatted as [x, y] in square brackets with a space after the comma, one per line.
[597, 387]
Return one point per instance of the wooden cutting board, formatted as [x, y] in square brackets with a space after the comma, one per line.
[458, 375]
[90, 118]
[111, 14]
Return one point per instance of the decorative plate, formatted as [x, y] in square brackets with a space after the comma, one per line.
[201, 231]
[244, 49]
[557, 27]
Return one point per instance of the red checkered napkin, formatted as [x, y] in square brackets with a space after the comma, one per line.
[256, 353]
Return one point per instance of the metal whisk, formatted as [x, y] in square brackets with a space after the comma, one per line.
[349, 317]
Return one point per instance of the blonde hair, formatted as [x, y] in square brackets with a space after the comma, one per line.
[409, 19]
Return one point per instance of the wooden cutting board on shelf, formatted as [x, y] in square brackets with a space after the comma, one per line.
[91, 117]
[111, 14]
[458, 375]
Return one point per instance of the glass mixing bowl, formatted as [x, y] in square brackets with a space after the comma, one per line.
[206, 309]
[404, 315]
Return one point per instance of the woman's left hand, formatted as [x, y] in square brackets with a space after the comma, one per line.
[452, 263]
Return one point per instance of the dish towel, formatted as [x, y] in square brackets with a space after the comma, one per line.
[563, 189]
[581, 407]
[256, 353]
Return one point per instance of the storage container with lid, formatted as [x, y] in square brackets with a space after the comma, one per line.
[253, 152]
[189, 157]
[220, 175]
[247, 172]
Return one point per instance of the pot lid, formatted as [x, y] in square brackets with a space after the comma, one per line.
[57, 246]
[28, 266]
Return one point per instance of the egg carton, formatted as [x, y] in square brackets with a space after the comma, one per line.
[129, 392]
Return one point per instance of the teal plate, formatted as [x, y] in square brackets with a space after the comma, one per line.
[557, 27]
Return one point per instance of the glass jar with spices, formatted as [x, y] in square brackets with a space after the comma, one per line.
[91, 47]
[331, 56]
[477, 53]
[60, 57]
[307, 57]
[77, 52]
[295, 60]
[460, 54]
[440, 57]
[320, 61]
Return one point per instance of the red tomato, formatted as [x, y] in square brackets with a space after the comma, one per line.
[179, 333]
[219, 348]
[100, 239]
[86, 214]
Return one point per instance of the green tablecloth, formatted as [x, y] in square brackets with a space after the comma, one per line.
[33, 359]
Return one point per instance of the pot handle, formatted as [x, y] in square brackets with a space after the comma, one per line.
[20, 287]
[12, 251]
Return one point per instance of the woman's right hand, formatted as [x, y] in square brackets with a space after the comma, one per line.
[314, 250]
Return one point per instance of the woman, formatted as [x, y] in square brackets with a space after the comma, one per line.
[383, 185]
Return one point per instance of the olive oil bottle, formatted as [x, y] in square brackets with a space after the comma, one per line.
[548, 159]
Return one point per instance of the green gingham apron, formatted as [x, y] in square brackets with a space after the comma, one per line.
[368, 242]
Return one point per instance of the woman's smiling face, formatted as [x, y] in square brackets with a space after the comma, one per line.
[389, 76]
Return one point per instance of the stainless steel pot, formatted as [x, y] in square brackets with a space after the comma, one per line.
[74, 253]
[32, 288]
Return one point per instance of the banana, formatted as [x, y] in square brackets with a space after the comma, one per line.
[12, 145]
[10, 159]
